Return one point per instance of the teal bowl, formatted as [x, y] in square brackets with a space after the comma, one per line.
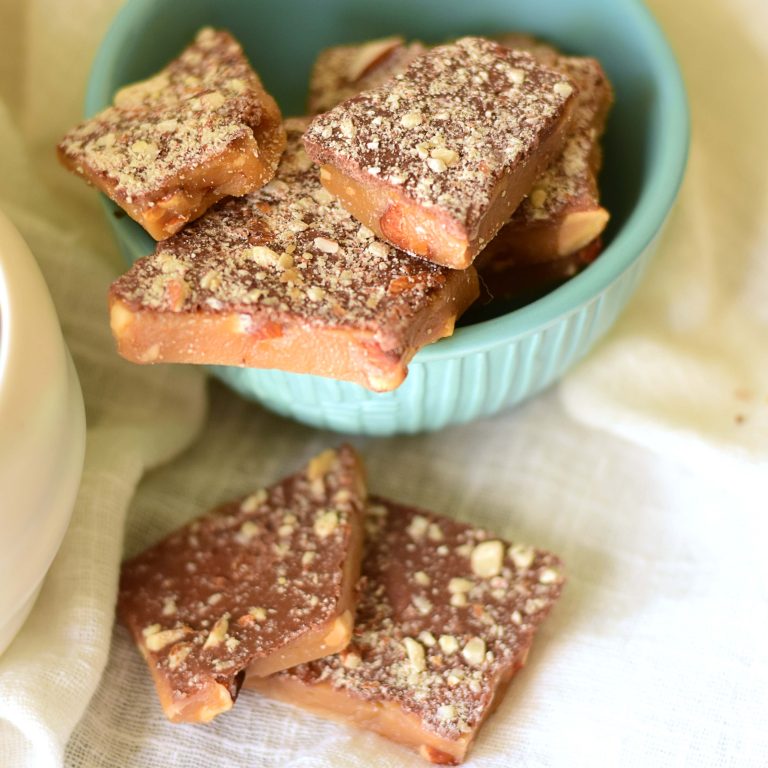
[499, 362]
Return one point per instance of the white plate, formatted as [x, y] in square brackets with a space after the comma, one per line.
[42, 431]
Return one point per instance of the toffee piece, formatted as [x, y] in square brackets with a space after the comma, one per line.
[346, 70]
[446, 617]
[171, 146]
[562, 214]
[256, 586]
[286, 278]
[436, 160]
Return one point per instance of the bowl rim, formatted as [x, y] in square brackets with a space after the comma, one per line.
[640, 228]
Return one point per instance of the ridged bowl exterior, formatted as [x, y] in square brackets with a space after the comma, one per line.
[447, 390]
[495, 364]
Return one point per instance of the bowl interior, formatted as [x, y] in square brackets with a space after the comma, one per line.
[644, 147]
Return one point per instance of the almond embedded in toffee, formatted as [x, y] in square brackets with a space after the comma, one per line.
[286, 278]
[446, 617]
[171, 146]
[255, 586]
[437, 159]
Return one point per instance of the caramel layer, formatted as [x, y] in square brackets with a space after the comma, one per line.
[436, 159]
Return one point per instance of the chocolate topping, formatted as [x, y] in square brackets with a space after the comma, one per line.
[446, 615]
[245, 580]
[446, 131]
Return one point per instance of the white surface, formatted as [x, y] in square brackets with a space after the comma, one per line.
[655, 656]
[42, 431]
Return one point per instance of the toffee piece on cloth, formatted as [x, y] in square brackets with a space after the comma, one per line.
[255, 586]
[171, 146]
[446, 617]
[286, 278]
[436, 160]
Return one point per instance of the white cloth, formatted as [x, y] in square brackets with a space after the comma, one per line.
[645, 469]
[686, 371]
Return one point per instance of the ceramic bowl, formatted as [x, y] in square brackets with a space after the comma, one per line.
[493, 364]
[42, 431]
